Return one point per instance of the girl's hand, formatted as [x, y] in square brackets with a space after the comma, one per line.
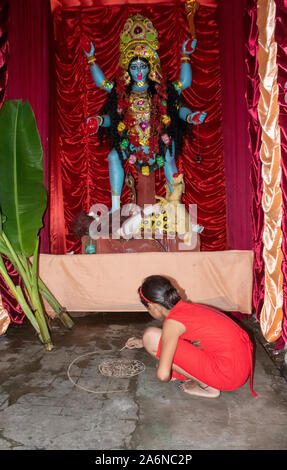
[133, 343]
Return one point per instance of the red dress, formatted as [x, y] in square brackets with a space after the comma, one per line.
[214, 349]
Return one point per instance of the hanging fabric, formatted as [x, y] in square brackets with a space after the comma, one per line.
[270, 155]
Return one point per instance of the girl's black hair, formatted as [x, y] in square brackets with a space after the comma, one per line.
[159, 290]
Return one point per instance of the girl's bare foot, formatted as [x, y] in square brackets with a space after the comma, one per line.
[194, 388]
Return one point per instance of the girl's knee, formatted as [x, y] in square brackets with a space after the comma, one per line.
[151, 339]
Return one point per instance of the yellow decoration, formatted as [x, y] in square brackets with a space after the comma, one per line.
[141, 108]
[139, 38]
[145, 170]
[107, 84]
[191, 8]
[121, 126]
[92, 60]
[166, 119]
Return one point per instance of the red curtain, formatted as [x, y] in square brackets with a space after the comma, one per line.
[237, 155]
[9, 302]
[29, 73]
[254, 129]
[79, 170]
[4, 48]
[63, 4]
[24, 74]
[281, 39]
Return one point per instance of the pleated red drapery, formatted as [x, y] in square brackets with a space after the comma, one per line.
[14, 310]
[281, 40]
[62, 4]
[79, 169]
[237, 154]
[29, 74]
[254, 130]
[4, 49]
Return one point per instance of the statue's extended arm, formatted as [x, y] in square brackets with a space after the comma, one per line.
[94, 122]
[185, 80]
[185, 77]
[97, 73]
[187, 115]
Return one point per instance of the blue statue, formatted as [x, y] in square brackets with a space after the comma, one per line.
[144, 114]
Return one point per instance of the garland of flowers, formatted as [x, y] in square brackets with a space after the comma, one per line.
[159, 122]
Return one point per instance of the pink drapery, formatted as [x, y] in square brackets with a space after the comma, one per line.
[9, 302]
[24, 74]
[281, 40]
[271, 325]
[254, 130]
[237, 155]
[4, 48]
[59, 4]
[29, 73]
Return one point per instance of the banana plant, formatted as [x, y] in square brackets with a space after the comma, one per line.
[23, 200]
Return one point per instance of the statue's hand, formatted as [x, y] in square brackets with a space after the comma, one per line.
[93, 124]
[188, 46]
[196, 118]
[88, 46]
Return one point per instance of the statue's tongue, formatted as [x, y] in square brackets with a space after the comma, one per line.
[139, 76]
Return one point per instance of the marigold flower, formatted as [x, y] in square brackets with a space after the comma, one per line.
[166, 119]
[121, 126]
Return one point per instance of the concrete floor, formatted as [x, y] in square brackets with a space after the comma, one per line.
[40, 408]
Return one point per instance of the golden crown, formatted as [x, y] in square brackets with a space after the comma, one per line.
[139, 38]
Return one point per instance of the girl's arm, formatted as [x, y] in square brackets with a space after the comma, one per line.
[171, 331]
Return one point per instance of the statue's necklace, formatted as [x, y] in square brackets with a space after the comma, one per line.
[141, 83]
[140, 102]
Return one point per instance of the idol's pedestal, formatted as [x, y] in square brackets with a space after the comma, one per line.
[109, 282]
[164, 244]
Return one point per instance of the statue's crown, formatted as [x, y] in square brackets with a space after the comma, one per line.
[140, 29]
[139, 38]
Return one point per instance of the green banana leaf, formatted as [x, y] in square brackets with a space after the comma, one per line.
[23, 196]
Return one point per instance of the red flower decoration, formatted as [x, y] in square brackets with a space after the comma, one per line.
[92, 126]
[189, 47]
[157, 109]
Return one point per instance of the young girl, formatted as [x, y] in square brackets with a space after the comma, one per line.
[197, 344]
